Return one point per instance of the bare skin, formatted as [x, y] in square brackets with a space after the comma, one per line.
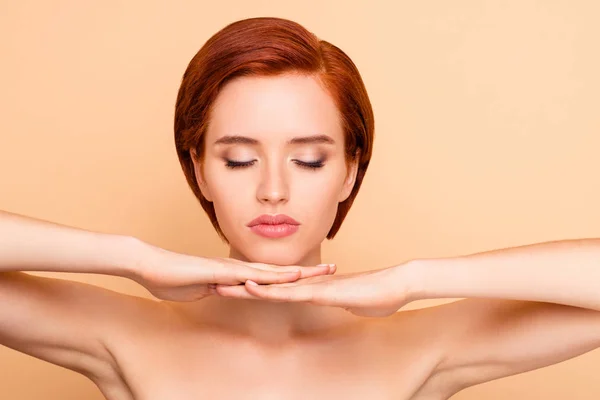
[144, 349]
[190, 340]
[187, 340]
[164, 349]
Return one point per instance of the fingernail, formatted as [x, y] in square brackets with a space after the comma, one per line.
[252, 283]
[323, 265]
[294, 271]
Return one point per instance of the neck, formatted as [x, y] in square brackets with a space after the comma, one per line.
[271, 321]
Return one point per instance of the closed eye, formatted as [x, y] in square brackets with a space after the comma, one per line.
[241, 164]
[238, 164]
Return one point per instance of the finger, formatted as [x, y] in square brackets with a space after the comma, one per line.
[295, 293]
[323, 269]
[269, 277]
[235, 291]
[239, 292]
[306, 271]
[304, 281]
[183, 294]
[234, 274]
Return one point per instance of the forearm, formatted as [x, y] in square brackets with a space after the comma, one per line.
[28, 244]
[563, 272]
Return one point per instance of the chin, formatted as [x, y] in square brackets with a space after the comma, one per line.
[276, 259]
[269, 255]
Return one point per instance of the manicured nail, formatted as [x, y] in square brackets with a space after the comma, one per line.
[249, 282]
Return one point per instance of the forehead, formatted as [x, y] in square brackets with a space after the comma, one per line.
[274, 109]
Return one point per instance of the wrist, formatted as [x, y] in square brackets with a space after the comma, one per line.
[410, 279]
[135, 255]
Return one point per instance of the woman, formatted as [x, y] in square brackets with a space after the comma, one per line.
[274, 131]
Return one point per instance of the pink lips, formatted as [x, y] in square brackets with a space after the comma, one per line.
[274, 226]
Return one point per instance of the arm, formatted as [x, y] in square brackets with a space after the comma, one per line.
[59, 321]
[532, 306]
[29, 244]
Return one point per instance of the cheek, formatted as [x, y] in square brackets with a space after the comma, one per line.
[230, 202]
[226, 192]
[319, 197]
[320, 194]
[222, 183]
[324, 185]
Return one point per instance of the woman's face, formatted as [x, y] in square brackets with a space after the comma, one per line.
[275, 145]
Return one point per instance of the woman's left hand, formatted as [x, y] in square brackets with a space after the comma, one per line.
[376, 293]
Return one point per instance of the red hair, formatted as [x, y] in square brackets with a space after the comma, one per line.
[267, 46]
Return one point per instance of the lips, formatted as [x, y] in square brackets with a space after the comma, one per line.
[277, 219]
[274, 226]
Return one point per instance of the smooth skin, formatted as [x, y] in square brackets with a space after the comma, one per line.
[137, 348]
[315, 334]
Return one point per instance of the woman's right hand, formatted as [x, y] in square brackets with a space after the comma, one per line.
[174, 276]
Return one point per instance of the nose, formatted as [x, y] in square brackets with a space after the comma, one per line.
[273, 187]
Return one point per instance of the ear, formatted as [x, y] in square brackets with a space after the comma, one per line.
[200, 175]
[350, 178]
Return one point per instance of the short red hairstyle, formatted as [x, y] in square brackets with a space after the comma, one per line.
[268, 46]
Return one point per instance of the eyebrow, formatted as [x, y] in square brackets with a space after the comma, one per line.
[236, 139]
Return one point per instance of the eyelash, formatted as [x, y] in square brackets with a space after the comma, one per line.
[312, 165]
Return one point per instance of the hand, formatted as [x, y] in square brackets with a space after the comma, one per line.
[376, 293]
[179, 277]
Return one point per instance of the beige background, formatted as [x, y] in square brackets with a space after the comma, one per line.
[487, 133]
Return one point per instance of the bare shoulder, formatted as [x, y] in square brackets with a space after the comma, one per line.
[414, 343]
[481, 339]
[432, 333]
[64, 322]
